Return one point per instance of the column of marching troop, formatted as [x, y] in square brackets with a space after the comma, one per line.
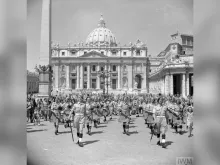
[87, 109]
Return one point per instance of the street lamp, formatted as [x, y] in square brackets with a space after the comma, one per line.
[104, 75]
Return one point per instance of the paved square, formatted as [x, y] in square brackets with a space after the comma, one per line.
[106, 146]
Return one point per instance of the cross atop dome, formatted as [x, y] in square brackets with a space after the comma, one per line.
[101, 22]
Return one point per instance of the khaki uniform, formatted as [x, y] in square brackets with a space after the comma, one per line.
[80, 116]
[160, 119]
[125, 114]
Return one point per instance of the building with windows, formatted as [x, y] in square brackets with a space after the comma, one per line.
[171, 72]
[32, 82]
[77, 66]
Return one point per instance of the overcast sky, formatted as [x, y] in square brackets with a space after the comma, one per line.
[151, 21]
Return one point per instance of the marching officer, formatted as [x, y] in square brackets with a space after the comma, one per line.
[89, 117]
[79, 111]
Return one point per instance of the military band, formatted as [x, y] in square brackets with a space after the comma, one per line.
[86, 109]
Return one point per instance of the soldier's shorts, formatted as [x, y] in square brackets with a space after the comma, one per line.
[79, 120]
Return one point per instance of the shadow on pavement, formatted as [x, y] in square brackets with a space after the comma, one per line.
[168, 143]
[40, 130]
[63, 132]
[134, 132]
[97, 132]
[102, 126]
[90, 142]
[183, 132]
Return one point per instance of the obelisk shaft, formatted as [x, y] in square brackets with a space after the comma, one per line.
[45, 44]
[45, 50]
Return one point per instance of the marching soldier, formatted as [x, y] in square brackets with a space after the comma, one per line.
[56, 109]
[111, 108]
[89, 117]
[189, 120]
[79, 111]
[105, 110]
[145, 109]
[177, 121]
[125, 117]
[45, 109]
[95, 114]
[160, 122]
[150, 107]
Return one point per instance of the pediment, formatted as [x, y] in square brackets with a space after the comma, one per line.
[94, 54]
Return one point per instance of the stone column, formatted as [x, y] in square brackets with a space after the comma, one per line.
[88, 76]
[171, 84]
[109, 78]
[81, 76]
[184, 85]
[56, 76]
[78, 76]
[187, 83]
[119, 76]
[98, 78]
[106, 80]
[130, 78]
[144, 81]
[166, 84]
[67, 76]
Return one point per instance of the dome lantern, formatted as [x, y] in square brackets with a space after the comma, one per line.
[101, 22]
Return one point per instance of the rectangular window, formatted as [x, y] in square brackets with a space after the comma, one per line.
[184, 41]
[188, 42]
[85, 85]
[114, 53]
[63, 53]
[124, 53]
[114, 68]
[93, 68]
[113, 83]
[138, 53]
[85, 69]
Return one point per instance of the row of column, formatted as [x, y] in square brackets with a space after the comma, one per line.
[167, 88]
[80, 76]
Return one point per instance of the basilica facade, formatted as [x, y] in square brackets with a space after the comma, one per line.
[129, 67]
[79, 66]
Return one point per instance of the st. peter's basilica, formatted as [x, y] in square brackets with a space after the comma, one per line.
[130, 68]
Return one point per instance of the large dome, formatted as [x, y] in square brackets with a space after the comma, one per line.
[101, 36]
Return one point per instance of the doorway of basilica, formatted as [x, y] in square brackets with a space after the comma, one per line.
[73, 83]
[138, 82]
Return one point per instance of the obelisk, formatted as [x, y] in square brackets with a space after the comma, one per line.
[44, 67]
